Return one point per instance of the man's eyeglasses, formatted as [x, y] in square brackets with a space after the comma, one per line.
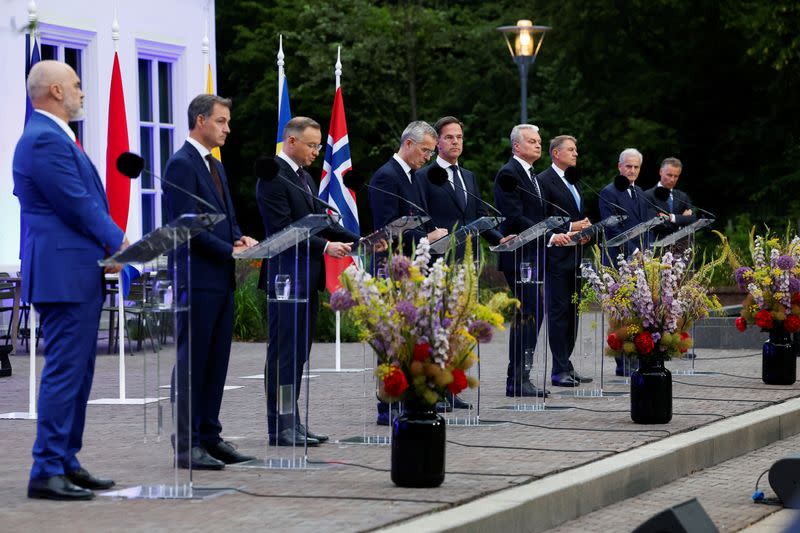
[313, 146]
[427, 151]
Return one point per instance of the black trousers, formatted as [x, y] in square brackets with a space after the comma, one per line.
[562, 316]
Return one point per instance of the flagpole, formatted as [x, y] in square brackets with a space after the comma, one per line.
[337, 71]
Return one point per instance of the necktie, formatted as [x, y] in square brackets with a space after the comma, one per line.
[460, 190]
[632, 192]
[669, 202]
[532, 174]
[78, 142]
[212, 167]
[575, 195]
[304, 179]
[411, 175]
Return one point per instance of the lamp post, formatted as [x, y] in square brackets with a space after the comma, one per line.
[527, 40]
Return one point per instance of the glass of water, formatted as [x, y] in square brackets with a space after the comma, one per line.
[525, 272]
[283, 286]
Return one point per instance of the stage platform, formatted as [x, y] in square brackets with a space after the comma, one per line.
[535, 471]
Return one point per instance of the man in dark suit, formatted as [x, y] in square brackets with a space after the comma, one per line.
[624, 197]
[522, 208]
[563, 261]
[669, 201]
[395, 191]
[454, 204]
[68, 231]
[196, 170]
[282, 200]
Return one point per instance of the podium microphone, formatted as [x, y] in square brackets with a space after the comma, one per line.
[438, 176]
[131, 165]
[267, 169]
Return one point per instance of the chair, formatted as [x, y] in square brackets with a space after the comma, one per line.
[6, 303]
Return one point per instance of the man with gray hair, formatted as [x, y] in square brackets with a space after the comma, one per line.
[394, 192]
[623, 197]
[195, 169]
[518, 196]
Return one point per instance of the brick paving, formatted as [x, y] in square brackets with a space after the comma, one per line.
[357, 495]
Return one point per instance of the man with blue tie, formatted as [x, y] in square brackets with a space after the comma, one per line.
[395, 192]
[560, 188]
[195, 169]
[669, 202]
[624, 197]
[69, 230]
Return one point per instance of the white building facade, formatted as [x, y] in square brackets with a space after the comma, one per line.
[164, 52]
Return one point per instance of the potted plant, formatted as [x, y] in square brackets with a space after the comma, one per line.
[651, 303]
[772, 282]
[423, 321]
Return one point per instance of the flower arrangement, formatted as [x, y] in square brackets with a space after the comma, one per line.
[651, 302]
[423, 321]
[771, 280]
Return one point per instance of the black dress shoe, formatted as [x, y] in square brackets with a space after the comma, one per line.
[5, 364]
[57, 488]
[458, 403]
[444, 407]
[82, 478]
[199, 459]
[526, 389]
[564, 379]
[580, 379]
[225, 452]
[291, 437]
[310, 434]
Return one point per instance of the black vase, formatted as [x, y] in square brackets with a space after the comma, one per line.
[651, 393]
[418, 443]
[778, 362]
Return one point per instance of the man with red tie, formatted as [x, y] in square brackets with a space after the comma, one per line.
[69, 230]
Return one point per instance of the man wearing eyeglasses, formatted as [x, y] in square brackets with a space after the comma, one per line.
[395, 192]
[281, 201]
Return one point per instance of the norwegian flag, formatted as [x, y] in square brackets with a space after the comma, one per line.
[332, 189]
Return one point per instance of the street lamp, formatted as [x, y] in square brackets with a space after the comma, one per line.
[527, 40]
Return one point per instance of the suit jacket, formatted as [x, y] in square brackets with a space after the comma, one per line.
[443, 206]
[212, 267]
[521, 209]
[385, 208]
[65, 208]
[636, 209]
[280, 205]
[680, 203]
[562, 258]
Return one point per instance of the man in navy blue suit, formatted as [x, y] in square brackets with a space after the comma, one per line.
[282, 200]
[195, 169]
[68, 231]
[454, 204]
[396, 192]
[624, 197]
[562, 262]
[522, 206]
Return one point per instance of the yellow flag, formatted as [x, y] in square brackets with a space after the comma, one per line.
[210, 90]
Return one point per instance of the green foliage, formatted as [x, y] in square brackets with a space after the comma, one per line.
[711, 83]
[249, 316]
[326, 324]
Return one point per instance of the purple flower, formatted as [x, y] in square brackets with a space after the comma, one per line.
[785, 262]
[446, 322]
[407, 310]
[794, 285]
[400, 265]
[613, 288]
[741, 275]
[481, 330]
[342, 300]
[656, 337]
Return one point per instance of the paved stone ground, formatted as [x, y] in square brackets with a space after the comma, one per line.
[356, 493]
[724, 491]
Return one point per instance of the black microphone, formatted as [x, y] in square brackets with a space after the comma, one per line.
[267, 169]
[617, 183]
[131, 165]
[438, 176]
[509, 183]
[662, 193]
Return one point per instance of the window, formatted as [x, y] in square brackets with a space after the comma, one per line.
[156, 133]
[72, 56]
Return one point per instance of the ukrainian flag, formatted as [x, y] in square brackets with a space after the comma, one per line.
[284, 113]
